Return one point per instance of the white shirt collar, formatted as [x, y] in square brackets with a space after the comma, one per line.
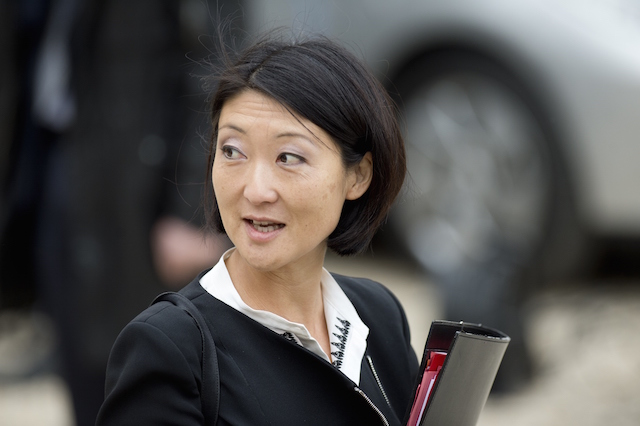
[347, 333]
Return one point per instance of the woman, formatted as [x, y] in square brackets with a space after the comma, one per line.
[305, 155]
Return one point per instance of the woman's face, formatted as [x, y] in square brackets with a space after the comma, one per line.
[279, 182]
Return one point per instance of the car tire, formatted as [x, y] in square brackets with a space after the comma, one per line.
[487, 182]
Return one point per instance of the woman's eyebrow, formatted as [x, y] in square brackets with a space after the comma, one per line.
[303, 136]
[232, 127]
[311, 138]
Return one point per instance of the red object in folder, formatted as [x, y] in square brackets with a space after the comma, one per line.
[434, 365]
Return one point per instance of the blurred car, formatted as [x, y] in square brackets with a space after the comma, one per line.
[522, 120]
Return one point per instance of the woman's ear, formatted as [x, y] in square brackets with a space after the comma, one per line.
[361, 177]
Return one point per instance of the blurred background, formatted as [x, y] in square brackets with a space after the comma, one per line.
[521, 210]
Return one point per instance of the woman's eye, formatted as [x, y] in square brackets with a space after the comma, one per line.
[230, 152]
[289, 159]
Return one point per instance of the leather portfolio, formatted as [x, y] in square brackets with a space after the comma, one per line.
[458, 367]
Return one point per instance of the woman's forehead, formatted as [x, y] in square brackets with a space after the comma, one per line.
[248, 107]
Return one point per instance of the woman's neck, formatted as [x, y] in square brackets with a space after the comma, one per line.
[292, 293]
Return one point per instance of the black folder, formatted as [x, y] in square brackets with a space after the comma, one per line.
[462, 384]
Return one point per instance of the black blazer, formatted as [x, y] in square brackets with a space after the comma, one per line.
[153, 376]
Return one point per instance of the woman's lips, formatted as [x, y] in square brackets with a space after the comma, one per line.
[265, 226]
[262, 231]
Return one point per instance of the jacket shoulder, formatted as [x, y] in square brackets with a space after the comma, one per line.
[368, 295]
[167, 316]
[154, 371]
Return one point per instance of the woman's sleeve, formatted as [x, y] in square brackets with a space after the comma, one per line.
[150, 380]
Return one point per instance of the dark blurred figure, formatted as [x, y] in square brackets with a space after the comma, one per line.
[24, 149]
[103, 170]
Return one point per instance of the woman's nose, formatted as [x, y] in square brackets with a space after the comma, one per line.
[260, 185]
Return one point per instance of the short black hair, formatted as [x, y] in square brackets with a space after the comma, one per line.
[323, 82]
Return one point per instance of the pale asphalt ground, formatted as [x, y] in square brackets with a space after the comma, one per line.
[585, 338]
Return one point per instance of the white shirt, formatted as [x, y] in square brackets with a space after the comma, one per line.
[347, 333]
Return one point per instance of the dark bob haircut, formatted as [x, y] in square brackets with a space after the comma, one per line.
[324, 83]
